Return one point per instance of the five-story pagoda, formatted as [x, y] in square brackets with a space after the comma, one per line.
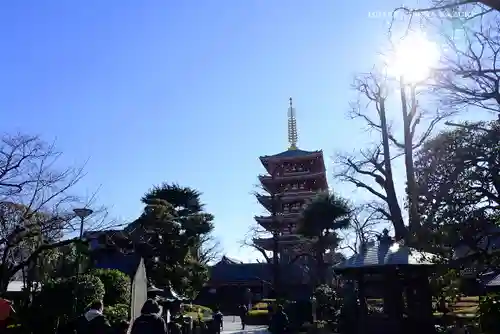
[294, 177]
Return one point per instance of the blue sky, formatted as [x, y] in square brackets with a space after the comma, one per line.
[184, 91]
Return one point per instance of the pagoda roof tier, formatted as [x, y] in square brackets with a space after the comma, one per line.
[293, 155]
[285, 197]
[283, 226]
[292, 240]
[267, 179]
[268, 182]
[285, 219]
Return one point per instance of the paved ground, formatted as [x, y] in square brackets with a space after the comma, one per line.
[233, 325]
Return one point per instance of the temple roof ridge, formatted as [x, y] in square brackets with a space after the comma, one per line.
[292, 154]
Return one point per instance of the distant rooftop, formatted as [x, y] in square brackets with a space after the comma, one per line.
[227, 270]
[228, 260]
[126, 263]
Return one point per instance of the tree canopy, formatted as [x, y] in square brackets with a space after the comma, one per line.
[321, 219]
[458, 177]
[169, 233]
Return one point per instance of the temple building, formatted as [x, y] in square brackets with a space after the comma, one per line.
[293, 178]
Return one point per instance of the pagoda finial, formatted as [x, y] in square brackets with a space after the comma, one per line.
[292, 127]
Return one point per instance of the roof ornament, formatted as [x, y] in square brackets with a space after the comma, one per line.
[292, 127]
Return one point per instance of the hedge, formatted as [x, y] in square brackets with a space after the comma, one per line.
[62, 300]
[61, 294]
[197, 311]
[117, 313]
[116, 285]
[257, 317]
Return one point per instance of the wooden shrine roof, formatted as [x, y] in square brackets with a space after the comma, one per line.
[380, 255]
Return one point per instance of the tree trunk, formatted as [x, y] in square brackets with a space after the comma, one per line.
[392, 199]
[414, 221]
[320, 261]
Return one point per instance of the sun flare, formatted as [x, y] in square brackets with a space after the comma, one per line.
[413, 58]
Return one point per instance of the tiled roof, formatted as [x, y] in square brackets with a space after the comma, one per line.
[386, 255]
[243, 272]
[292, 154]
[126, 263]
[490, 241]
[491, 280]
[229, 260]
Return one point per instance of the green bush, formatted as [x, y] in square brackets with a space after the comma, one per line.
[62, 300]
[117, 313]
[318, 327]
[195, 308]
[197, 312]
[257, 317]
[261, 305]
[116, 286]
[62, 294]
[325, 295]
[489, 313]
[327, 302]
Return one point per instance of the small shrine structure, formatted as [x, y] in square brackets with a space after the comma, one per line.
[400, 275]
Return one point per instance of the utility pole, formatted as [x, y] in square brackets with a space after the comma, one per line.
[81, 213]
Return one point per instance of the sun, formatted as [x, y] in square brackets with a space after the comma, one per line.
[412, 58]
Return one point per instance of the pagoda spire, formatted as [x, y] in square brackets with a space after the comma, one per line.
[292, 127]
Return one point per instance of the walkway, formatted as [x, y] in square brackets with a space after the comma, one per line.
[233, 325]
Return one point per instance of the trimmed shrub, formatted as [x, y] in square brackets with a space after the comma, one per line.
[261, 306]
[195, 308]
[257, 317]
[327, 303]
[62, 300]
[197, 312]
[318, 327]
[62, 294]
[117, 313]
[489, 313]
[116, 286]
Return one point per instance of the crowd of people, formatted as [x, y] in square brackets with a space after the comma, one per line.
[153, 320]
[278, 322]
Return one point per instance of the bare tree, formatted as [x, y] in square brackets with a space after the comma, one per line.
[254, 233]
[477, 8]
[209, 250]
[469, 75]
[36, 203]
[372, 170]
[300, 250]
[365, 226]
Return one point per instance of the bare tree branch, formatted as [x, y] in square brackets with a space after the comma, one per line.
[366, 222]
[475, 8]
[36, 202]
[210, 249]
[256, 232]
